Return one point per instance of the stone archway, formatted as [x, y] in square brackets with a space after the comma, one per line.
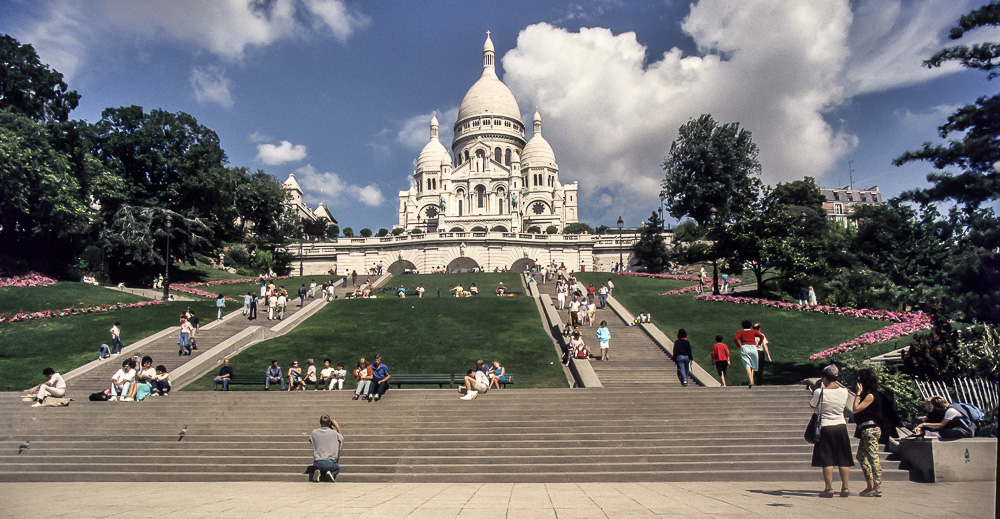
[401, 266]
[478, 228]
[463, 264]
[522, 264]
[457, 229]
[500, 228]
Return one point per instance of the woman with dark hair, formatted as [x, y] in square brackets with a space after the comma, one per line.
[834, 447]
[868, 415]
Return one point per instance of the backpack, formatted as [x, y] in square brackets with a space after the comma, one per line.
[970, 415]
[102, 396]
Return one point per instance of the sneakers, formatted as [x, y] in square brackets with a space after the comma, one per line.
[370, 398]
[314, 477]
[471, 395]
[36, 404]
[113, 398]
[377, 397]
[128, 399]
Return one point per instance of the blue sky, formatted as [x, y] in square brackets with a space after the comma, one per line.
[340, 92]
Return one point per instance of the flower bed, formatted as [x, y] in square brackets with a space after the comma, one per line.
[73, 310]
[31, 279]
[192, 288]
[692, 288]
[904, 323]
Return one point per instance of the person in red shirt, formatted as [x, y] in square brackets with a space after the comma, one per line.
[720, 356]
[746, 341]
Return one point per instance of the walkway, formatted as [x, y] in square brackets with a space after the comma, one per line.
[634, 358]
[498, 500]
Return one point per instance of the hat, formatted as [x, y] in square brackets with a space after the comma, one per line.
[831, 372]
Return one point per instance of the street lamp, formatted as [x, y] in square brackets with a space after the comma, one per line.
[302, 231]
[621, 223]
[663, 196]
[166, 262]
[713, 215]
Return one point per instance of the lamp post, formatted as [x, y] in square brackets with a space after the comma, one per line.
[663, 196]
[621, 224]
[166, 262]
[302, 231]
[713, 215]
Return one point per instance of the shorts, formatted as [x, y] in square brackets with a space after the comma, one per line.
[604, 345]
[721, 366]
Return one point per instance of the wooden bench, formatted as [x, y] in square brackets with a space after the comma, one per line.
[247, 380]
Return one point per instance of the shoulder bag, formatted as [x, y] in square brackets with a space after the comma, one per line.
[815, 427]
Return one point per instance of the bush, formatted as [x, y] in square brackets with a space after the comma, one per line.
[365, 232]
[897, 386]
[348, 232]
[416, 231]
[396, 231]
[382, 232]
[534, 229]
[552, 229]
[578, 228]
[333, 230]
[237, 256]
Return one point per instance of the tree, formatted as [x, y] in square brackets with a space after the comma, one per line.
[709, 166]
[135, 240]
[348, 232]
[333, 230]
[534, 229]
[29, 87]
[710, 170]
[259, 203]
[601, 229]
[396, 231]
[382, 232]
[651, 249]
[552, 229]
[976, 150]
[578, 228]
[365, 232]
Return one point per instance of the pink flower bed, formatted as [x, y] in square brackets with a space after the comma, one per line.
[31, 279]
[904, 323]
[692, 288]
[192, 288]
[73, 310]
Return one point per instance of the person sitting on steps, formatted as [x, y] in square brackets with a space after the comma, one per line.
[475, 382]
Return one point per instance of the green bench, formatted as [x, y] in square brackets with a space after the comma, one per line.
[452, 379]
[246, 379]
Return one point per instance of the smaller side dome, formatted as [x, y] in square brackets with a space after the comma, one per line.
[434, 153]
[538, 152]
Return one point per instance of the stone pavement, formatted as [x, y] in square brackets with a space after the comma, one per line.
[492, 500]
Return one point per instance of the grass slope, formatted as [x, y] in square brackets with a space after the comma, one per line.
[429, 335]
[792, 335]
[64, 343]
[59, 296]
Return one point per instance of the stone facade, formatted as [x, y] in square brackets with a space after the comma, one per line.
[498, 181]
[841, 203]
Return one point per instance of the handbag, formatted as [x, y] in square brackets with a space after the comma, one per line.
[815, 427]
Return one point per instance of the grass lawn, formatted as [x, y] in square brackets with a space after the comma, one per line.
[64, 343]
[792, 335]
[61, 295]
[199, 272]
[429, 335]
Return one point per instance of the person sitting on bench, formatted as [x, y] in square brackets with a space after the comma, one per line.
[273, 376]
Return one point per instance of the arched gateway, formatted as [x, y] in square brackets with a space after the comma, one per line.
[463, 264]
[401, 266]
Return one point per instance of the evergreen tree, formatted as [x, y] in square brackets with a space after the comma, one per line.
[651, 249]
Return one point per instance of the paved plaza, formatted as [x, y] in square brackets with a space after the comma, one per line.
[491, 500]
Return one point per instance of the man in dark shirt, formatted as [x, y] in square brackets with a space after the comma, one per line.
[380, 379]
[302, 295]
[225, 374]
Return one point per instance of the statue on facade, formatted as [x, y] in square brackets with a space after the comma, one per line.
[441, 203]
[461, 249]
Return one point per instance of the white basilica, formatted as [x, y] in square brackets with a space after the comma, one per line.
[497, 181]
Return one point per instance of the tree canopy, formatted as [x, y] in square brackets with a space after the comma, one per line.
[29, 87]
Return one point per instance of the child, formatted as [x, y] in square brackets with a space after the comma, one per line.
[339, 375]
[720, 356]
[116, 339]
[162, 381]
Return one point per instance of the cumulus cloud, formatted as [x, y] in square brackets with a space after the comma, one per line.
[284, 152]
[59, 40]
[211, 86]
[332, 187]
[610, 110]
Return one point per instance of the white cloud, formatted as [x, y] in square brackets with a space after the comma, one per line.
[67, 32]
[211, 86]
[285, 152]
[610, 111]
[332, 187]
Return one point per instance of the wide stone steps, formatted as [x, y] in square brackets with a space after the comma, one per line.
[562, 435]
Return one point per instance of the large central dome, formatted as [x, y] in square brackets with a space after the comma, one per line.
[489, 95]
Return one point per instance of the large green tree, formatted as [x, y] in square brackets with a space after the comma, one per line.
[711, 169]
[29, 87]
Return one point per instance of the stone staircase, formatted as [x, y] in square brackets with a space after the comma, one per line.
[635, 360]
[516, 435]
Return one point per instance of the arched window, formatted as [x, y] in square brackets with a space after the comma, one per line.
[500, 206]
[507, 159]
[480, 196]
[498, 155]
[466, 155]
